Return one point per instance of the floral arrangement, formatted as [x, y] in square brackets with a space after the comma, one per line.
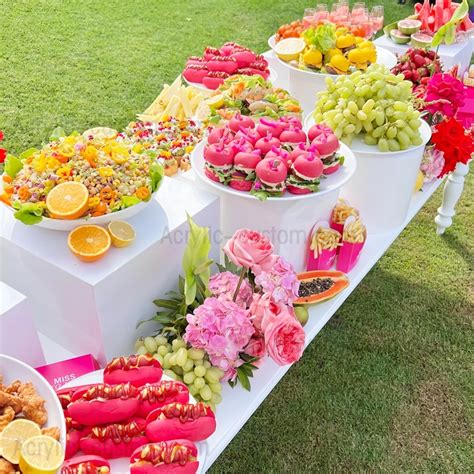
[450, 142]
[233, 318]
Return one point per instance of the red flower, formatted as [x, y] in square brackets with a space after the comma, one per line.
[1, 135]
[3, 155]
[457, 145]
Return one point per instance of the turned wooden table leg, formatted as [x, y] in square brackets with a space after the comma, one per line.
[451, 194]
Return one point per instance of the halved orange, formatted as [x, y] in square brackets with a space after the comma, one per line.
[67, 200]
[89, 242]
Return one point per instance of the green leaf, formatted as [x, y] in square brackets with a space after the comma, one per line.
[181, 284]
[450, 36]
[29, 213]
[156, 174]
[12, 165]
[243, 379]
[129, 201]
[165, 303]
[56, 134]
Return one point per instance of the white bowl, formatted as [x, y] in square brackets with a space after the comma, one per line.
[271, 78]
[13, 369]
[122, 465]
[272, 42]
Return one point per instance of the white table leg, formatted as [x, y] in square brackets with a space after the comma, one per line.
[451, 194]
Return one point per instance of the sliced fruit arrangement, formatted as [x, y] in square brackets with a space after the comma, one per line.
[327, 49]
[290, 30]
[77, 176]
[320, 285]
[217, 64]
[175, 100]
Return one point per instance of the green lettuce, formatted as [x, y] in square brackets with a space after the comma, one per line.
[12, 165]
[323, 37]
[129, 201]
[56, 134]
[29, 213]
[27, 153]
[156, 173]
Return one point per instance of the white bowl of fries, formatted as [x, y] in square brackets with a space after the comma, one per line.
[39, 399]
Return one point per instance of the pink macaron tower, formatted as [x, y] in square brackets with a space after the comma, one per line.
[305, 173]
[239, 121]
[249, 134]
[245, 163]
[266, 143]
[267, 125]
[327, 144]
[219, 159]
[291, 138]
[271, 175]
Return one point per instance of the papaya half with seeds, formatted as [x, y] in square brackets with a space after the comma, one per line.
[320, 285]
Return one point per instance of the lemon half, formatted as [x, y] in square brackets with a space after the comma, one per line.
[13, 437]
[289, 49]
[41, 455]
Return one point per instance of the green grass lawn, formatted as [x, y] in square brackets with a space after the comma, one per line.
[386, 385]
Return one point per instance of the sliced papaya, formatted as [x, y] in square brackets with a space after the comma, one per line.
[320, 285]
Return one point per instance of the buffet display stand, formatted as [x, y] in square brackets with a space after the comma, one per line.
[94, 309]
[452, 55]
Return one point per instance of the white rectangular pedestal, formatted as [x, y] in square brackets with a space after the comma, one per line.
[18, 335]
[94, 307]
[459, 53]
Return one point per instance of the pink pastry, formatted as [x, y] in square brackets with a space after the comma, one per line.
[222, 64]
[289, 122]
[195, 60]
[326, 144]
[243, 56]
[293, 137]
[227, 49]
[261, 65]
[306, 171]
[301, 149]
[271, 174]
[246, 161]
[239, 121]
[249, 134]
[317, 130]
[210, 52]
[220, 134]
[241, 144]
[266, 125]
[214, 79]
[195, 73]
[219, 161]
[266, 143]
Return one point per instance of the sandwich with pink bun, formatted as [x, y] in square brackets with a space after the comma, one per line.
[305, 173]
[249, 134]
[267, 125]
[318, 129]
[220, 134]
[271, 176]
[239, 121]
[219, 162]
[243, 176]
[266, 143]
[241, 144]
[289, 122]
[300, 149]
[327, 145]
[292, 138]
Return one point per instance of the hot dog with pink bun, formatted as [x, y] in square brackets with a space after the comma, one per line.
[266, 143]
[210, 52]
[214, 79]
[249, 134]
[166, 457]
[195, 72]
[138, 370]
[222, 63]
[104, 404]
[327, 145]
[195, 422]
[74, 433]
[271, 174]
[267, 125]
[305, 173]
[195, 60]
[289, 122]
[239, 121]
[88, 464]
[291, 138]
[219, 162]
[318, 129]
[117, 440]
[152, 397]
[243, 56]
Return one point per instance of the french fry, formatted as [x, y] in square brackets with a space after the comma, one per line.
[324, 239]
[342, 211]
[354, 232]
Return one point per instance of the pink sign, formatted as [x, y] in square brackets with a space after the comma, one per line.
[61, 373]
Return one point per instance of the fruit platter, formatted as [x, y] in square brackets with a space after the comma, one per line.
[271, 159]
[251, 96]
[133, 418]
[217, 64]
[420, 28]
[92, 178]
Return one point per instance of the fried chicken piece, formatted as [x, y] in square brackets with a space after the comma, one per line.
[33, 404]
[6, 467]
[7, 416]
[14, 386]
[9, 400]
[53, 431]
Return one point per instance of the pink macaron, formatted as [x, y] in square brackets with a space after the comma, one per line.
[195, 60]
[239, 121]
[210, 52]
[266, 143]
[267, 125]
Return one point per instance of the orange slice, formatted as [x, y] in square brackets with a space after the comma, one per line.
[67, 200]
[89, 242]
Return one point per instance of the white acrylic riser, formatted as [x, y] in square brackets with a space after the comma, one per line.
[94, 307]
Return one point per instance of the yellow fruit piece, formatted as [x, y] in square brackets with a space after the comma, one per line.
[345, 41]
[106, 171]
[89, 242]
[13, 437]
[41, 455]
[334, 52]
[419, 181]
[340, 63]
[216, 101]
[67, 200]
[121, 233]
[289, 49]
[370, 54]
[313, 57]
[358, 39]
[366, 44]
[341, 31]
[100, 133]
[362, 66]
[356, 56]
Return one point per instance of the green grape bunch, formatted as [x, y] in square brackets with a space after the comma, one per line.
[188, 365]
[376, 104]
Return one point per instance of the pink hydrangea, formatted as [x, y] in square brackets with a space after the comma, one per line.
[222, 329]
[432, 163]
[280, 282]
[444, 94]
[224, 284]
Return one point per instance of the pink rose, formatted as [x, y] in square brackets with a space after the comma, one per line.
[263, 310]
[284, 339]
[256, 347]
[250, 249]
